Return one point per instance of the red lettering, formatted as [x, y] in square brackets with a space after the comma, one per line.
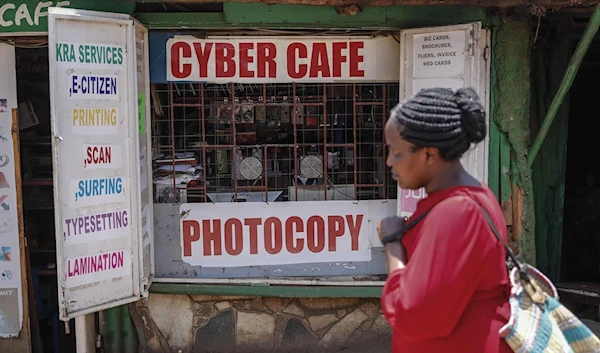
[253, 223]
[315, 225]
[233, 228]
[180, 50]
[354, 228]
[202, 55]
[191, 233]
[212, 237]
[356, 59]
[338, 58]
[296, 71]
[266, 54]
[289, 234]
[336, 228]
[224, 53]
[246, 59]
[98, 155]
[89, 156]
[273, 235]
[319, 62]
[107, 155]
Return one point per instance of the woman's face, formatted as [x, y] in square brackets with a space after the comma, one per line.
[410, 166]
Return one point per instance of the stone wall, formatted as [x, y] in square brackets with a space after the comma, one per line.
[251, 324]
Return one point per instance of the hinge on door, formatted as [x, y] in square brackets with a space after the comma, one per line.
[486, 53]
[99, 342]
[471, 41]
[471, 47]
[145, 288]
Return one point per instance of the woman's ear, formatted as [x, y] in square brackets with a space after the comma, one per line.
[431, 154]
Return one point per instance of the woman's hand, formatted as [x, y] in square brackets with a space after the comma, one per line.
[389, 225]
[395, 253]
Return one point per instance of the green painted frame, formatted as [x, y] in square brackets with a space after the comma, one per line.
[256, 15]
[268, 290]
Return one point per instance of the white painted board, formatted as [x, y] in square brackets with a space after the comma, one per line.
[144, 159]
[93, 86]
[453, 57]
[11, 293]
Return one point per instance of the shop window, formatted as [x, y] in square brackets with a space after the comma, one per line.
[271, 142]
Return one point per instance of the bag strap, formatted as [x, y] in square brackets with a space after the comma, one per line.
[399, 234]
[509, 252]
[513, 259]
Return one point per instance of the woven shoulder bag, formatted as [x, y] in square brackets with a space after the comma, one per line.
[539, 323]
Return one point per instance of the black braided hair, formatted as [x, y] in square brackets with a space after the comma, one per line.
[437, 117]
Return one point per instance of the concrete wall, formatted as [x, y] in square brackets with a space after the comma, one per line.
[250, 324]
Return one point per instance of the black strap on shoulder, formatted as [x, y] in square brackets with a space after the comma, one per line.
[509, 252]
[513, 259]
[399, 234]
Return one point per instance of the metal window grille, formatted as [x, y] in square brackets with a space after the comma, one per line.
[271, 142]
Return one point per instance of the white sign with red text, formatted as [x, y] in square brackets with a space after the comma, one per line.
[409, 200]
[256, 234]
[102, 156]
[97, 267]
[282, 59]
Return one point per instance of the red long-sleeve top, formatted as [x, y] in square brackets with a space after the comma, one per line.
[452, 296]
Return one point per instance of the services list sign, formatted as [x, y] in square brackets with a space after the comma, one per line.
[95, 128]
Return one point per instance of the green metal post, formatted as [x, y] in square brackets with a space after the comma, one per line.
[112, 330]
[130, 339]
[120, 335]
[565, 85]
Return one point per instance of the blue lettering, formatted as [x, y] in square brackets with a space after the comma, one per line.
[94, 85]
[81, 190]
[119, 185]
[99, 187]
[113, 86]
[95, 187]
[94, 81]
[74, 84]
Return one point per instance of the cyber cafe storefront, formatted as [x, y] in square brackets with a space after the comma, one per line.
[246, 164]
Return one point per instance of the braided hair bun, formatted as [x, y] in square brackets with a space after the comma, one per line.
[473, 115]
[438, 117]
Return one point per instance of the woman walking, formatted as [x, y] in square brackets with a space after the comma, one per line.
[448, 288]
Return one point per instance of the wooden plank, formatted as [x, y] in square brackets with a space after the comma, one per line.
[506, 188]
[505, 167]
[517, 216]
[85, 337]
[588, 293]
[344, 3]
[25, 330]
[494, 161]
